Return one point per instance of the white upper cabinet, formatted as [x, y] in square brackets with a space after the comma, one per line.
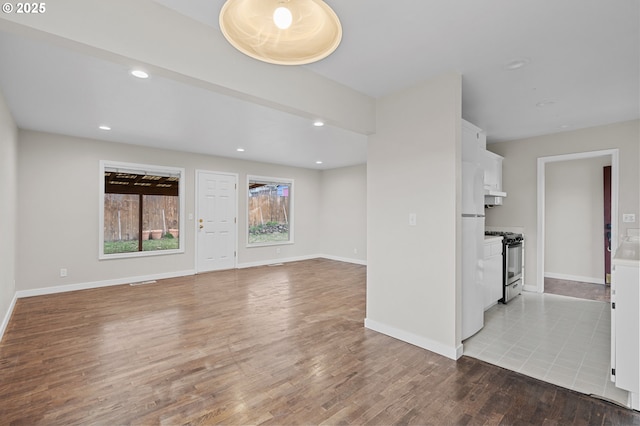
[492, 171]
[492, 164]
[475, 154]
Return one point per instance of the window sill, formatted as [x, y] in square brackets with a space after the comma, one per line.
[275, 243]
[139, 254]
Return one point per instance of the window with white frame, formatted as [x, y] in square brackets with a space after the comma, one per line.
[141, 210]
[269, 211]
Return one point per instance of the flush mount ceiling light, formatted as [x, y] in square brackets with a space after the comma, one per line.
[139, 73]
[546, 103]
[283, 32]
[517, 64]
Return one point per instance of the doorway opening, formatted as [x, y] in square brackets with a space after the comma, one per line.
[613, 156]
[578, 228]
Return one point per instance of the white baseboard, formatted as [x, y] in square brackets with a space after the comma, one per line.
[419, 341]
[344, 259]
[105, 283]
[591, 280]
[7, 316]
[127, 280]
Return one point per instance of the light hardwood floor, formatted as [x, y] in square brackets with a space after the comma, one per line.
[273, 345]
[578, 289]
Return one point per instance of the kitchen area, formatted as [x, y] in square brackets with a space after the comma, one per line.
[492, 258]
[565, 341]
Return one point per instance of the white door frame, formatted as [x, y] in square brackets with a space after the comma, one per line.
[542, 162]
[196, 201]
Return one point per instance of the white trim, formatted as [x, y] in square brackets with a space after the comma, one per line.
[344, 259]
[146, 168]
[7, 316]
[129, 255]
[591, 280]
[196, 206]
[275, 243]
[128, 280]
[292, 215]
[96, 284]
[419, 341]
[615, 182]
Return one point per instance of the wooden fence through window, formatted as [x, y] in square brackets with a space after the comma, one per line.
[267, 206]
[121, 215]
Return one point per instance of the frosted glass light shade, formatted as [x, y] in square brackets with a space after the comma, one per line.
[249, 26]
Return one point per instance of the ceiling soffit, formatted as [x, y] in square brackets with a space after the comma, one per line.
[190, 52]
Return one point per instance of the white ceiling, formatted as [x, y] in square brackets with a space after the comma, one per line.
[584, 61]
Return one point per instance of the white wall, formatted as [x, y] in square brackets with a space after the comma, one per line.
[344, 213]
[413, 166]
[8, 199]
[574, 218]
[519, 177]
[58, 181]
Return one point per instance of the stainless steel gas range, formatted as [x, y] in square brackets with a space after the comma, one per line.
[511, 263]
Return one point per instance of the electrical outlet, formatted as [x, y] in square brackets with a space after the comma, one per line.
[629, 218]
[355, 251]
[278, 250]
[63, 272]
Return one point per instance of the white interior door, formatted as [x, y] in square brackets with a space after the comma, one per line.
[216, 221]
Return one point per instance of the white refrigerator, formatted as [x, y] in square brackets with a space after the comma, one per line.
[472, 234]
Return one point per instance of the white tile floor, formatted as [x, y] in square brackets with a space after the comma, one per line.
[558, 339]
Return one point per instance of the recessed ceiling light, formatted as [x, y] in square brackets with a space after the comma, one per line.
[544, 104]
[139, 74]
[103, 127]
[318, 123]
[318, 162]
[564, 126]
[517, 64]
[240, 149]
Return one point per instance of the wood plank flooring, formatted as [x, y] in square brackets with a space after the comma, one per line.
[267, 345]
[578, 289]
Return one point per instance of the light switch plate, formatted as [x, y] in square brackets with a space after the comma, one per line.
[412, 219]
